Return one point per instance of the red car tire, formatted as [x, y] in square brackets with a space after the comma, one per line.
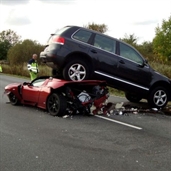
[56, 104]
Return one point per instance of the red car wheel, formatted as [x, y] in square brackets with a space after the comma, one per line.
[56, 104]
[13, 99]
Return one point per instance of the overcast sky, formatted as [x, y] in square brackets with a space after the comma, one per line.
[37, 19]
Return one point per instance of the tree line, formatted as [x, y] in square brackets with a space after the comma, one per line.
[15, 51]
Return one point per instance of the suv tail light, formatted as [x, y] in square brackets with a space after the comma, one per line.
[58, 39]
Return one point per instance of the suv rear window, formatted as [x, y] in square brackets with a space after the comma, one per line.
[82, 35]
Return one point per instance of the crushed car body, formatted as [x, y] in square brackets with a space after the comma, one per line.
[58, 96]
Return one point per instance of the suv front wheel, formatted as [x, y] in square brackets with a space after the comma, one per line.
[158, 97]
[76, 70]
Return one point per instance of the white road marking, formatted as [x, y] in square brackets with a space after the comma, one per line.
[122, 123]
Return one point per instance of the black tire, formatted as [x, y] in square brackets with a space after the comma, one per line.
[132, 98]
[13, 99]
[158, 97]
[76, 70]
[56, 104]
[85, 110]
[56, 73]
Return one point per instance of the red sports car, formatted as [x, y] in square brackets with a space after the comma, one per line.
[59, 97]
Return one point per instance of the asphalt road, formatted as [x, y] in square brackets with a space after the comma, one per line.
[32, 140]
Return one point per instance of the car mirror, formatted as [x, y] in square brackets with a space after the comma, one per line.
[145, 61]
[26, 83]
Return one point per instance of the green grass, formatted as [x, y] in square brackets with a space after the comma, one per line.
[22, 70]
[162, 68]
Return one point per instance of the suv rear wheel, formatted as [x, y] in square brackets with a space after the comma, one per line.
[76, 70]
[56, 73]
[158, 97]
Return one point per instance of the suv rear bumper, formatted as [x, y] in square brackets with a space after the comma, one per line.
[51, 59]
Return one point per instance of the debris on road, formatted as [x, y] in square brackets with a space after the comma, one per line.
[122, 108]
[128, 108]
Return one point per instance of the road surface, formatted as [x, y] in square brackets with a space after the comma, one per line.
[32, 140]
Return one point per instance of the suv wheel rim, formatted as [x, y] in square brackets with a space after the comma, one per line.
[77, 72]
[160, 98]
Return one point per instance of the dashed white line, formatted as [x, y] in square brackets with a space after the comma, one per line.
[122, 123]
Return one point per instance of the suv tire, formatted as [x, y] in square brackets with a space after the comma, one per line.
[56, 73]
[76, 70]
[158, 97]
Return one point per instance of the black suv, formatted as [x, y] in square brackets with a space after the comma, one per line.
[76, 53]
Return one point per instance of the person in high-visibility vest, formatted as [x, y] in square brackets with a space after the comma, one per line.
[0, 68]
[32, 66]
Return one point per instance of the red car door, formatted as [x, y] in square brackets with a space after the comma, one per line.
[31, 93]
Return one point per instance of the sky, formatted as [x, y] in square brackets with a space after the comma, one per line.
[37, 19]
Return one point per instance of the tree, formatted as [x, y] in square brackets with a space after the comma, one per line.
[146, 49]
[4, 46]
[102, 28]
[22, 52]
[130, 39]
[8, 39]
[162, 41]
[9, 36]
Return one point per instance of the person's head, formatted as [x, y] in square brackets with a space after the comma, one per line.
[35, 56]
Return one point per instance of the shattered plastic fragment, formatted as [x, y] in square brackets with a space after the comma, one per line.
[66, 116]
[120, 113]
[108, 114]
[155, 109]
[118, 105]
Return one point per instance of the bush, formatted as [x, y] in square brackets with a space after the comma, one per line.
[21, 70]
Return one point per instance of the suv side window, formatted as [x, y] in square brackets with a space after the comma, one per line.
[82, 35]
[105, 43]
[130, 53]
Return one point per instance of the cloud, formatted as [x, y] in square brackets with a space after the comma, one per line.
[146, 22]
[16, 18]
[58, 1]
[14, 2]
[37, 19]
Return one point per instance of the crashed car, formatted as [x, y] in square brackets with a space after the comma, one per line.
[59, 97]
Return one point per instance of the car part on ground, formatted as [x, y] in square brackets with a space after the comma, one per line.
[76, 53]
[128, 108]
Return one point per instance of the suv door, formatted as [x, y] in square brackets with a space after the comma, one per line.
[103, 50]
[132, 69]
